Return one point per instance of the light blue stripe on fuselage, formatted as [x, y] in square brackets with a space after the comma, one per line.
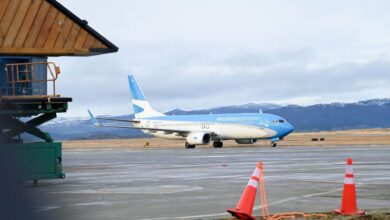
[254, 119]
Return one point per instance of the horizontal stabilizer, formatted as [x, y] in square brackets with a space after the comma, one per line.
[93, 119]
[98, 124]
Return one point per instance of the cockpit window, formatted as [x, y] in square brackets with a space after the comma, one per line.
[278, 121]
[281, 121]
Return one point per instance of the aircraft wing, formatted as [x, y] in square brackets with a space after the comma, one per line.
[111, 119]
[118, 119]
[98, 124]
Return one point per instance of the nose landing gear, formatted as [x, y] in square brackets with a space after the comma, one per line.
[273, 144]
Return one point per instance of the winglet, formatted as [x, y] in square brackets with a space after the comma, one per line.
[93, 119]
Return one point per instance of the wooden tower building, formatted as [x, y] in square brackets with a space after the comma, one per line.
[30, 32]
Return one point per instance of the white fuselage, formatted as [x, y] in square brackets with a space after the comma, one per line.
[225, 131]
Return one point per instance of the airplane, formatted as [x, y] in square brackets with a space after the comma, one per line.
[244, 128]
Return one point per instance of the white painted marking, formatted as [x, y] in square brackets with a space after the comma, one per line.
[91, 203]
[151, 190]
[372, 179]
[216, 177]
[322, 193]
[44, 209]
[215, 156]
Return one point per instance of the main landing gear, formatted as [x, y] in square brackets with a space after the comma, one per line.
[190, 145]
[273, 144]
[217, 144]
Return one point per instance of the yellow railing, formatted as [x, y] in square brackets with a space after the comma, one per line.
[21, 78]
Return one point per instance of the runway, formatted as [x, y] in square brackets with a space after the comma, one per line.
[203, 183]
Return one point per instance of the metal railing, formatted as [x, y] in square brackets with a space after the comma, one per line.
[29, 79]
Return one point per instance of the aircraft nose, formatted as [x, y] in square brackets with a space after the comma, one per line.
[289, 128]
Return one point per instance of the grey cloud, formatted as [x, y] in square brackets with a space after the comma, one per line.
[208, 53]
[197, 79]
[261, 82]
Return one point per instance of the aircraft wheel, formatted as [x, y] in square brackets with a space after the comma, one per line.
[273, 144]
[188, 146]
[217, 144]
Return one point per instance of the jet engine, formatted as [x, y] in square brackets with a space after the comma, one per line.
[197, 138]
[246, 141]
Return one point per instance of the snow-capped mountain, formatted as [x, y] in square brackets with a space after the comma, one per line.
[248, 108]
[378, 102]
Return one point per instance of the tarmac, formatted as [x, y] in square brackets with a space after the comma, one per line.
[202, 183]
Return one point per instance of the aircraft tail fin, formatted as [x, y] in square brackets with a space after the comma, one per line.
[141, 106]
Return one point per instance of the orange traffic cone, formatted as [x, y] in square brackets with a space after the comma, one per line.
[244, 206]
[348, 202]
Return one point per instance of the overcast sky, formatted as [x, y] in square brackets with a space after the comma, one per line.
[206, 53]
